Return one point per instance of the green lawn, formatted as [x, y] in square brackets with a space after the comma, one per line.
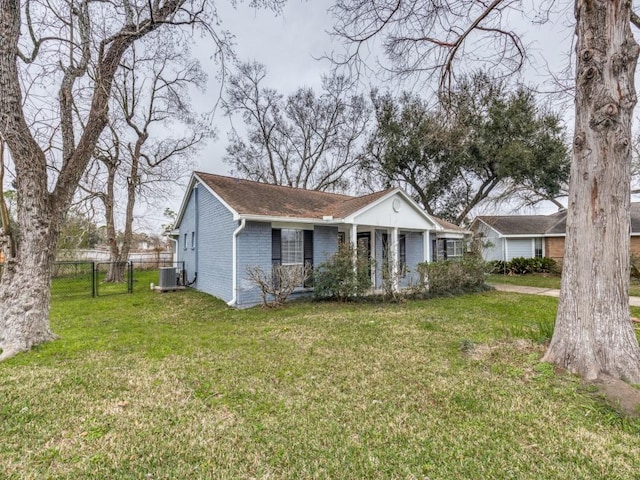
[178, 386]
[546, 281]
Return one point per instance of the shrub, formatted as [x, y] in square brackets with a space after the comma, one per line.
[453, 276]
[498, 266]
[338, 279]
[391, 278]
[523, 266]
[276, 285]
[635, 266]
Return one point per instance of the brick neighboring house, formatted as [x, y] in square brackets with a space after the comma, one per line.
[226, 224]
[509, 236]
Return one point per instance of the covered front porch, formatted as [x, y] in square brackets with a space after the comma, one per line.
[394, 253]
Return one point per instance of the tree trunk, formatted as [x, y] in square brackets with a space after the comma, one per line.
[25, 284]
[116, 272]
[594, 335]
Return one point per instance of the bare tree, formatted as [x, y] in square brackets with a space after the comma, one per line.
[593, 334]
[307, 141]
[151, 136]
[74, 47]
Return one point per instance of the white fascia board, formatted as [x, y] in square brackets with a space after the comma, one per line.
[526, 235]
[435, 225]
[453, 234]
[289, 220]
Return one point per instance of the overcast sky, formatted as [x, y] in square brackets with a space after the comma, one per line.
[290, 43]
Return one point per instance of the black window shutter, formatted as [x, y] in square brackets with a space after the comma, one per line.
[276, 247]
[308, 255]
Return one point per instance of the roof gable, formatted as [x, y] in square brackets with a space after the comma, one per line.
[392, 208]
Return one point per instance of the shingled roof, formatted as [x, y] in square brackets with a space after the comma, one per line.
[554, 224]
[254, 198]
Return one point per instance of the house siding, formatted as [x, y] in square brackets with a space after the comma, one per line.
[213, 244]
[325, 243]
[187, 226]
[492, 245]
[519, 247]
[415, 252]
[254, 250]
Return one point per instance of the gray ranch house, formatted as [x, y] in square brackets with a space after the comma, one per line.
[226, 225]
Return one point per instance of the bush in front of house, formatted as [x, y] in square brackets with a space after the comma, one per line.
[337, 279]
[466, 274]
[524, 266]
[279, 283]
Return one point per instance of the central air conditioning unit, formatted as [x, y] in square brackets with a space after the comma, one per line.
[168, 277]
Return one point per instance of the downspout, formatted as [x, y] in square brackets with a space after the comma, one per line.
[197, 239]
[234, 259]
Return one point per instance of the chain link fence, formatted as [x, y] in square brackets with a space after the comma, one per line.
[91, 279]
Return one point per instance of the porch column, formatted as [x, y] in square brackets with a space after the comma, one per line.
[354, 245]
[426, 245]
[394, 258]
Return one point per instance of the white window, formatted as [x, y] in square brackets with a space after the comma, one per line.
[537, 247]
[193, 240]
[454, 248]
[292, 242]
[185, 241]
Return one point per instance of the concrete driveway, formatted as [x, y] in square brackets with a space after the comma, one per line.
[549, 292]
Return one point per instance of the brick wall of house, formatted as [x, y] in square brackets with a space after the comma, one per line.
[211, 254]
[325, 243]
[187, 227]
[554, 248]
[215, 246]
[635, 246]
[254, 250]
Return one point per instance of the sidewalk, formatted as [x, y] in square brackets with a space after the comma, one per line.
[549, 292]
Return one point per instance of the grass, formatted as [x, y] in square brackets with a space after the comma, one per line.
[177, 385]
[547, 281]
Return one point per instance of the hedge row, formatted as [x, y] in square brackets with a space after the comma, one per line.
[522, 266]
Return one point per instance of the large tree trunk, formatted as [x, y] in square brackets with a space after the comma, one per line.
[25, 283]
[593, 334]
